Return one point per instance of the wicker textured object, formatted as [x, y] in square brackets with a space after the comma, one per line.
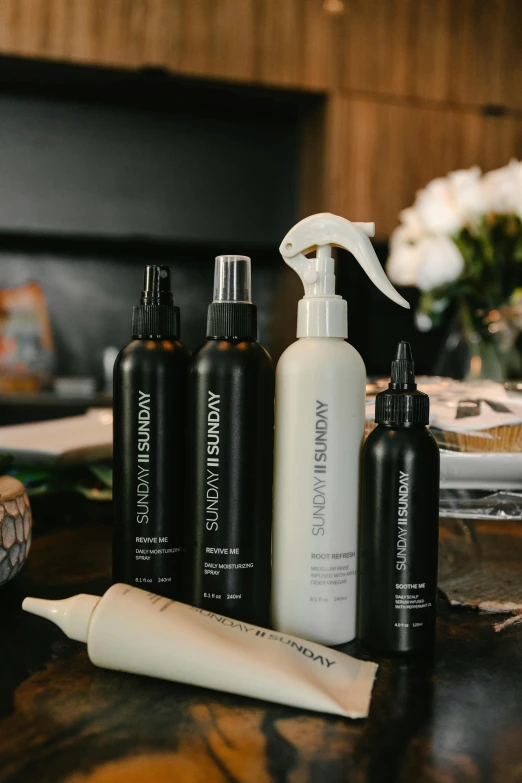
[501, 440]
[447, 396]
[507, 438]
[15, 527]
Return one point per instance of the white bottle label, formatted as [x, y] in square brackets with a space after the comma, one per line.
[319, 427]
[329, 570]
[320, 466]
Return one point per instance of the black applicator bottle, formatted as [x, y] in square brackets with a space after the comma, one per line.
[399, 520]
[149, 444]
[230, 456]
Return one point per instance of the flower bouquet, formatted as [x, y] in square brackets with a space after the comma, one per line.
[461, 245]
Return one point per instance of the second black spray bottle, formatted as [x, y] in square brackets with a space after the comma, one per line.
[230, 456]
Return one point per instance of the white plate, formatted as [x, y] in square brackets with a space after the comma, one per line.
[480, 470]
[75, 439]
[79, 439]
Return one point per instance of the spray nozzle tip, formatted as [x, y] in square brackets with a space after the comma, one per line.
[156, 285]
[403, 366]
[156, 279]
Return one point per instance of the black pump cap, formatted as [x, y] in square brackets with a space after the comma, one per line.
[402, 403]
[156, 286]
[229, 320]
[156, 317]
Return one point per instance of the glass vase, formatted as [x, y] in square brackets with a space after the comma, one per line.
[482, 343]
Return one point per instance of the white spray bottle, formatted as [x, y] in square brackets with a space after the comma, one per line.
[320, 398]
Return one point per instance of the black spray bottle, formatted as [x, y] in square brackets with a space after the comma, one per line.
[399, 520]
[150, 376]
[230, 454]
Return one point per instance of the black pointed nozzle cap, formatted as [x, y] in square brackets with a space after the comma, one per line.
[403, 368]
[156, 316]
[402, 404]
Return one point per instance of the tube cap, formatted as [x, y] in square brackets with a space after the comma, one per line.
[72, 615]
[402, 403]
[156, 316]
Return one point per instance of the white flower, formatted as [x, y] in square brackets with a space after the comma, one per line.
[437, 208]
[503, 189]
[440, 263]
[468, 193]
[411, 225]
[399, 237]
[403, 263]
[423, 322]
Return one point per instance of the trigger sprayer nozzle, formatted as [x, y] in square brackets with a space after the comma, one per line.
[366, 228]
[319, 279]
[321, 313]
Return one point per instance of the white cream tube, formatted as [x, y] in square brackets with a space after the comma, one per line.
[134, 631]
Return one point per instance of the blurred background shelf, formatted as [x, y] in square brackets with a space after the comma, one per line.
[389, 70]
[140, 130]
[41, 406]
[420, 49]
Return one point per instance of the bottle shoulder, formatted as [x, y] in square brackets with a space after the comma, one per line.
[384, 440]
[231, 353]
[328, 352]
[151, 352]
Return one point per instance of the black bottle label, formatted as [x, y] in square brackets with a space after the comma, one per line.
[149, 441]
[412, 598]
[143, 459]
[153, 566]
[398, 537]
[227, 551]
[230, 481]
[213, 420]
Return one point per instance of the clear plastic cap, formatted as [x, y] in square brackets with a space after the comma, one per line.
[232, 279]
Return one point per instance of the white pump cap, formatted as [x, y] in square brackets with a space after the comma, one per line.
[321, 313]
[72, 615]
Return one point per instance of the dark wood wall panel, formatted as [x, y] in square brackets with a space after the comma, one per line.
[377, 44]
[405, 81]
[511, 63]
[463, 51]
[278, 42]
[431, 59]
[476, 35]
[381, 153]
